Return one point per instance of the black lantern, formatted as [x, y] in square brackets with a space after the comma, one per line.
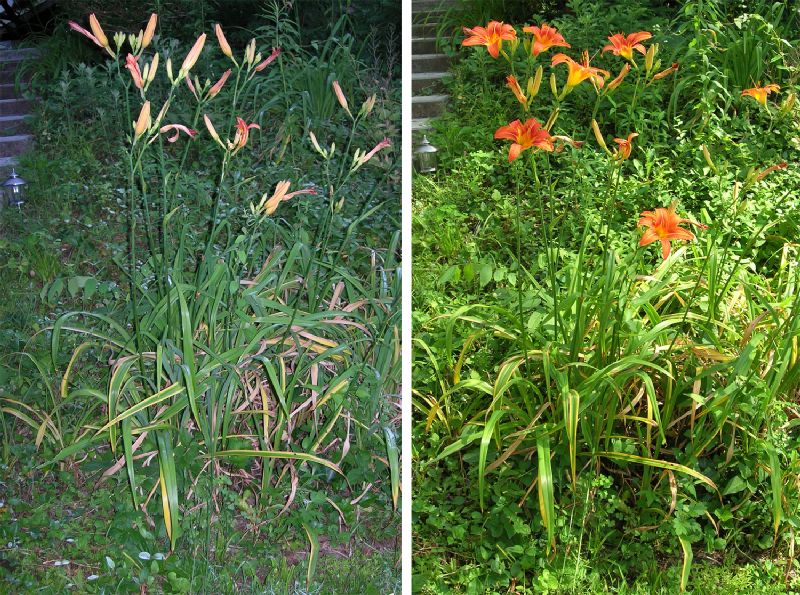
[14, 189]
[426, 157]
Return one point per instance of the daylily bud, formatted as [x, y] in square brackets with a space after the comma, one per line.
[191, 87]
[169, 70]
[250, 52]
[153, 68]
[331, 150]
[223, 43]
[145, 73]
[514, 43]
[134, 42]
[212, 131]
[192, 56]
[552, 119]
[622, 74]
[149, 30]
[599, 136]
[666, 72]
[533, 85]
[119, 39]
[341, 98]
[143, 123]
[707, 157]
[270, 59]
[319, 149]
[788, 103]
[553, 87]
[650, 56]
[769, 170]
[98, 30]
[218, 85]
[366, 107]
[512, 84]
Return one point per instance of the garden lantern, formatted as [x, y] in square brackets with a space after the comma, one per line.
[14, 189]
[426, 157]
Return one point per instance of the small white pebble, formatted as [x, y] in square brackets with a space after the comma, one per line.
[61, 563]
[144, 555]
[69, 540]
[92, 577]
[159, 556]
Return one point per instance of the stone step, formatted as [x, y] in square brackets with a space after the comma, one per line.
[418, 6]
[17, 55]
[428, 106]
[430, 63]
[423, 45]
[11, 146]
[8, 91]
[433, 81]
[420, 124]
[14, 107]
[6, 163]
[14, 125]
[427, 29]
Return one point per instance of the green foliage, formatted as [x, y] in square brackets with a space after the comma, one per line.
[586, 417]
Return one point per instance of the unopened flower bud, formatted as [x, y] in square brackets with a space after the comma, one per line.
[553, 86]
[650, 56]
[535, 83]
[599, 137]
[707, 157]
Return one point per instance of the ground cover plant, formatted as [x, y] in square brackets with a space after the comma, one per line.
[606, 315]
[200, 376]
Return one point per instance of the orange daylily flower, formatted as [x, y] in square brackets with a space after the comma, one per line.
[132, 65]
[760, 93]
[242, 132]
[524, 136]
[269, 206]
[178, 128]
[664, 226]
[580, 71]
[544, 38]
[623, 45]
[239, 139]
[625, 147]
[492, 36]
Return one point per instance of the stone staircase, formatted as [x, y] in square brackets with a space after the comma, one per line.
[429, 68]
[15, 134]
